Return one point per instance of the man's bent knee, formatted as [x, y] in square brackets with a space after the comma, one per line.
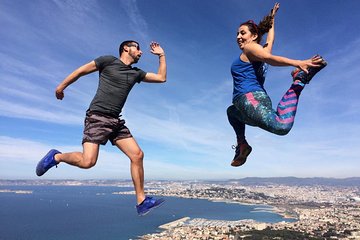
[90, 155]
[137, 157]
[88, 162]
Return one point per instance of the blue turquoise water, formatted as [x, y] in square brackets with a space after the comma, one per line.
[94, 213]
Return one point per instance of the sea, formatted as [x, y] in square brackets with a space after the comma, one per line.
[95, 213]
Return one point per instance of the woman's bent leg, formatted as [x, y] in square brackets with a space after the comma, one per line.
[256, 110]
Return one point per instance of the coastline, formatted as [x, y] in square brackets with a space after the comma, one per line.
[284, 212]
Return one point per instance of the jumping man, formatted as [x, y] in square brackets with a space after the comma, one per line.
[103, 123]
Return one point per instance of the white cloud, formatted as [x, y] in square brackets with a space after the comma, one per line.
[181, 134]
[18, 110]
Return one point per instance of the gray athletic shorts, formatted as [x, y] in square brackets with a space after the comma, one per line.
[101, 128]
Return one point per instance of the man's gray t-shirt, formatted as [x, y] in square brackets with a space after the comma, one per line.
[115, 82]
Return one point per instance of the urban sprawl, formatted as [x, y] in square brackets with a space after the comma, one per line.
[320, 212]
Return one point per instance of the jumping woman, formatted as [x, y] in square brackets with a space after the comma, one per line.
[251, 104]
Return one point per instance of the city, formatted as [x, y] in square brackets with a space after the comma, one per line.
[322, 212]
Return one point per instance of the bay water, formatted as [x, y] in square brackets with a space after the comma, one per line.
[94, 213]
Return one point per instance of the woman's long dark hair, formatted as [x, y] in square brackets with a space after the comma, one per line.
[263, 27]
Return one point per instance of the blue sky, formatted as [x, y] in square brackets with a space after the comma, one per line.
[181, 125]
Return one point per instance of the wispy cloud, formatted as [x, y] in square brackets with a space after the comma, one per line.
[18, 110]
[19, 149]
[182, 135]
[137, 21]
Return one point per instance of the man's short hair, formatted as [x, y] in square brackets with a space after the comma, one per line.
[126, 43]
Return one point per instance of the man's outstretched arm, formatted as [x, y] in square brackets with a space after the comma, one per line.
[159, 77]
[72, 77]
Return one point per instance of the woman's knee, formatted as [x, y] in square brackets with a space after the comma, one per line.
[276, 129]
[233, 114]
[281, 131]
[230, 110]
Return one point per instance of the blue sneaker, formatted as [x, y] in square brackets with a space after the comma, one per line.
[46, 162]
[304, 77]
[148, 204]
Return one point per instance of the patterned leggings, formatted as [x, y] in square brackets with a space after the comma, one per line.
[255, 109]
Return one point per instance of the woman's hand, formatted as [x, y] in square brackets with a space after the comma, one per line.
[274, 10]
[315, 61]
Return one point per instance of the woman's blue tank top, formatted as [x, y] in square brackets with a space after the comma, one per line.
[248, 77]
